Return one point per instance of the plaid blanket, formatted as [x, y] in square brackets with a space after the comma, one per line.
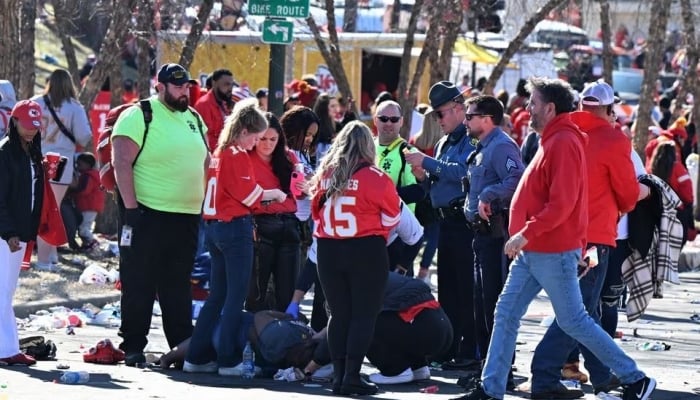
[645, 276]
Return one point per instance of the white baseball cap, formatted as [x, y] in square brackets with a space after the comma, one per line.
[598, 93]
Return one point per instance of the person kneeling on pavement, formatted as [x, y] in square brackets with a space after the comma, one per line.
[279, 341]
[411, 329]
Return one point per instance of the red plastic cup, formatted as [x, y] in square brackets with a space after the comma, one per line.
[52, 160]
[430, 389]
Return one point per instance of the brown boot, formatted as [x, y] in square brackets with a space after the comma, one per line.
[570, 371]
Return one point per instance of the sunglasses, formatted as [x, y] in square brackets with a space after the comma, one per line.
[469, 117]
[386, 119]
[440, 114]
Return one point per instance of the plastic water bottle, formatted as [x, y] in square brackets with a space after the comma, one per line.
[248, 362]
[75, 377]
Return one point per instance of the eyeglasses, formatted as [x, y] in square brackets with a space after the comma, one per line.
[385, 119]
[440, 114]
[469, 117]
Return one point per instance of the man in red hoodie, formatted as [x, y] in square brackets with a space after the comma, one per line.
[612, 190]
[548, 227]
[216, 104]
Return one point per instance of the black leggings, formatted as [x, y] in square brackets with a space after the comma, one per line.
[353, 273]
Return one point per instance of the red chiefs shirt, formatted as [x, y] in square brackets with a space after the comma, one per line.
[368, 207]
[232, 190]
[267, 179]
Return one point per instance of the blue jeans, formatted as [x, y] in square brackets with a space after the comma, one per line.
[554, 348]
[556, 274]
[231, 247]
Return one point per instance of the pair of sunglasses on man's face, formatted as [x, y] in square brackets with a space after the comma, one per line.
[385, 119]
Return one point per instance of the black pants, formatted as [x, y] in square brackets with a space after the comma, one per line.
[398, 345]
[157, 264]
[403, 255]
[276, 254]
[489, 275]
[455, 265]
[353, 273]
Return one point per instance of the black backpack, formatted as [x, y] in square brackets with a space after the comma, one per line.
[38, 347]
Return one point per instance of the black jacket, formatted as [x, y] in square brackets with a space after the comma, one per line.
[17, 215]
[402, 293]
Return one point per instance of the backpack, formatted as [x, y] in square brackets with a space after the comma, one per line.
[104, 143]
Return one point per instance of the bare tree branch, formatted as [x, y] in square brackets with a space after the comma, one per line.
[144, 28]
[607, 40]
[406, 97]
[350, 16]
[26, 53]
[195, 33]
[518, 41]
[62, 17]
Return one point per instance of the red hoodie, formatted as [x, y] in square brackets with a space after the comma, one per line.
[550, 205]
[612, 182]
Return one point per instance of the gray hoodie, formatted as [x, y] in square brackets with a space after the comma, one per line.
[8, 98]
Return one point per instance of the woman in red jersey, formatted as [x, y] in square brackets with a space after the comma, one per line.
[354, 205]
[277, 228]
[232, 192]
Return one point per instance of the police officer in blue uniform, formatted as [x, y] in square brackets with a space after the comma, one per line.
[443, 177]
[494, 170]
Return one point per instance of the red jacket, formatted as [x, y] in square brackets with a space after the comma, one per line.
[664, 136]
[612, 182]
[91, 198]
[550, 205]
[681, 183]
[213, 115]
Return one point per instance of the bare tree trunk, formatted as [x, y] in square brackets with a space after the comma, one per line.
[607, 40]
[26, 54]
[517, 42]
[144, 27]
[406, 97]
[452, 20]
[350, 16]
[110, 51]
[63, 15]
[195, 33]
[396, 16]
[434, 25]
[332, 55]
[10, 67]
[166, 11]
[660, 9]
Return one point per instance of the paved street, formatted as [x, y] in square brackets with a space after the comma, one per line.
[667, 320]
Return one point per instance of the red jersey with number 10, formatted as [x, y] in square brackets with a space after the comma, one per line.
[231, 186]
[368, 207]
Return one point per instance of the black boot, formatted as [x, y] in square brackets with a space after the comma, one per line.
[338, 373]
[353, 382]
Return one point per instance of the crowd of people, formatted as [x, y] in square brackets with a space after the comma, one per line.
[503, 188]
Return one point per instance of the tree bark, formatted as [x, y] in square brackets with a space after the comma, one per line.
[607, 40]
[10, 68]
[332, 55]
[26, 54]
[350, 16]
[63, 16]
[110, 51]
[195, 33]
[518, 41]
[406, 97]
[435, 27]
[144, 27]
[654, 53]
[452, 21]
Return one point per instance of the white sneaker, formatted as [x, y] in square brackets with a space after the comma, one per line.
[236, 371]
[421, 374]
[404, 377]
[209, 367]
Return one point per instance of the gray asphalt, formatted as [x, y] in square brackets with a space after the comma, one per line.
[667, 320]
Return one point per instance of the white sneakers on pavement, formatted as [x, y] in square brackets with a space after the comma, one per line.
[209, 367]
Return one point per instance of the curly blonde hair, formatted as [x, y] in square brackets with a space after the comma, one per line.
[351, 148]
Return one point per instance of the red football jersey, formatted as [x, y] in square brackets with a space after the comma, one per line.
[231, 186]
[369, 206]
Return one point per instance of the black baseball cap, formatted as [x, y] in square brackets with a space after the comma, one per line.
[175, 74]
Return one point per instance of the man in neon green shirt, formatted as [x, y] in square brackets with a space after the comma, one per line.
[390, 158]
[160, 176]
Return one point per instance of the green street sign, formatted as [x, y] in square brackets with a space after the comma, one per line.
[279, 8]
[277, 32]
